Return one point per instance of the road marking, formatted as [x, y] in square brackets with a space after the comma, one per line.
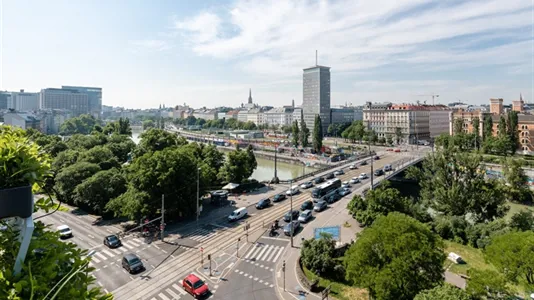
[250, 276]
[90, 236]
[105, 266]
[156, 246]
[138, 240]
[278, 254]
[134, 243]
[116, 251]
[253, 251]
[162, 296]
[127, 246]
[80, 238]
[255, 278]
[264, 257]
[96, 260]
[272, 285]
[109, 230]
[122, 249]
[173, 294]
[100, 256]
[272, 254]
[273, 238]
[107, 253]
[266, 283]
[261, 281]
[179, 289]
[100, 283]
[62, 221]
[163, 251]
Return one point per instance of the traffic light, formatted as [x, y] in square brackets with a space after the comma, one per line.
[209, 256]
[284, 266]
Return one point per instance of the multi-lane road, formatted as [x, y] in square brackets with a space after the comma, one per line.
[240, 269]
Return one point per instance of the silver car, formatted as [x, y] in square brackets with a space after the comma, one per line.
[305, 216]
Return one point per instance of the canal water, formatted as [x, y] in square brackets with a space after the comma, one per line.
[265, 169]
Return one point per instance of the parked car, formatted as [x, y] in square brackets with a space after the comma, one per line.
[363, 176]
[345, 184]
[389, 149]
[377, 157]
[354, 180]
[279, 197]
[353, 167]
[112, 241]
[263, 203]
[339, 172]
[306, 185]
[195, 286]
[379, 172]
[64, 231]
[291, 215]
[343, 191]
[305, 216]
[329, 176]
[318, 180]
[363, 163]
[397, 150]
[320, 206]
[306, 205]
[333, 198]
[132, 263]
[291, 228]
[387, 168]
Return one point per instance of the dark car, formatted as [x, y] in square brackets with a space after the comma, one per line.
[112, 241]
[291, 215]
[291, 228]
[333, 198]
[339, 172]
[377, 157]
[132, 263]
[329, 176]
[379, 172]
[263, 203]
[318, 180]
[363, 163]
[279, 197]
[306, 205]
[320, 206]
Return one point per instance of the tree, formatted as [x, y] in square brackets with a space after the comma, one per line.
[147, 124]
[398, 135]
[304, 134]
[476, 132]
[239, 165]
[82, 124]
[156, 139]
[382, 140]
[389, 139]
[318, 254]
[443, 292]
[378, 202]
[122, 127]
[331, 129]
[295, 135]
[359, 130]
[501, 128]
[121, 146]
[511, 253]
[373, 137]
[522, 220]
[511, 128]
[452, 183]
[487, 284]
[396, 258]
[96, 191]
[318, 134]
[487, 130]
[100, 155]
[70, 177]
[517, 187]
[458, 126]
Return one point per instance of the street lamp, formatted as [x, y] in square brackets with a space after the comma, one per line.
[291, 208]
[198, 194]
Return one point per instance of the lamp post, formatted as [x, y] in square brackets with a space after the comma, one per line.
[198, 193]
[291, 209]
[369, 143]
[275, 178]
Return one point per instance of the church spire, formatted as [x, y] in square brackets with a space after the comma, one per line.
[249, 96]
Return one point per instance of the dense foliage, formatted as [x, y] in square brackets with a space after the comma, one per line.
[318, 254]
[317, 140]
[443, 292]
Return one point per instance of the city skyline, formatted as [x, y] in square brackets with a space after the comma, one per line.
[213, 52]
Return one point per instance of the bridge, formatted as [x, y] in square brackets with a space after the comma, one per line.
[399, 167]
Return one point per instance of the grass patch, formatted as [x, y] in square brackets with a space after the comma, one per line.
[515, 208]
[474, 258]
[338, 290]
[61, 208]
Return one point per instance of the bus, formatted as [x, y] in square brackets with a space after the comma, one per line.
[325, 189]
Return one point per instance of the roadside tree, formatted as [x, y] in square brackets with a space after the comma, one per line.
[318, 134]
[157, 139]
[68, 178]
[295, 134]
[318, 254]
[443, 292]
[522, 220]
[96, 191]
[486, 284]
[517, 188]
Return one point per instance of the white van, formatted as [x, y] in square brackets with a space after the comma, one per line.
[237, 214]
[293, 190]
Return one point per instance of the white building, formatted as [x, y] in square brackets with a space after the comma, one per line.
[242, 116]
[21, 101]
[255, 116]
[206, 114]
[23, 120]
[280, 116]
[72, 100]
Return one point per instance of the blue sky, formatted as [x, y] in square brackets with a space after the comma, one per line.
[209, 53]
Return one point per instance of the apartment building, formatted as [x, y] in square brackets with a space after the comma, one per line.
[23, 101]
[72, 100]
[280, 116]
[23, 120]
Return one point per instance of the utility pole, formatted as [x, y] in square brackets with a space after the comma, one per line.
[284, 271]
[198, 194]
[209, 258]
[291, 209]
[237, 248]
[162, 226]
[369, 143]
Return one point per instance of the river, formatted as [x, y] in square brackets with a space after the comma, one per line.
[265, 169]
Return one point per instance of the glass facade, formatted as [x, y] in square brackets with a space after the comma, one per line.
[316, 96]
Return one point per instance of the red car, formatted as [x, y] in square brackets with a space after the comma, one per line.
[397, 150]
[195, 286]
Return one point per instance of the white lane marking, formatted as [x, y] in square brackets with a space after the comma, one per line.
[272, 285]
[261, 281]
[106, 252]
[153, 298]
[109, 230]
[100, 283]
[156, 246]
[163, 251]
[62, 221]
[127, 246]
[256, 250]
[264, 257]
[90, 236]
[100, 256]
[133, 243]
[272, 254]
[115, 251]
[162, 296]
[96, 260]
[138, 240]
[173, 294]
[122, 249]
[278, 254]
[261, 253]
[255, 278]
[179, 289]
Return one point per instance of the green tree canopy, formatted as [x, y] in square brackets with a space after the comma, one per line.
[487, 127]
[318, 134]
[239, 165]
[396, 258]
[304, 134]
[68, 178]
[487, 284]
[82, 124]
[443, 292]
[295, 134]
[398, 135]
[96, 191]
[318, 254]
[121, 127]
[156, 139]
[522, 220]
[100, 155]
[517, 186]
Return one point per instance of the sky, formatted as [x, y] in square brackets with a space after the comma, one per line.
[209, 53]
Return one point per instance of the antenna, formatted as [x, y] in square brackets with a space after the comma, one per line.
[315, 57]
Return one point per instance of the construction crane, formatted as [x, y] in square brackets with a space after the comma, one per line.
[430, 95]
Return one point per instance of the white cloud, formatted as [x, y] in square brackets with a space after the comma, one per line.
[205, 27]
[150, 45]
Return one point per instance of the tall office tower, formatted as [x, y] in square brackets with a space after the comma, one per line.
[94, 98]
[72, 100]
[316, 95]
[5, 98]
[23, 101]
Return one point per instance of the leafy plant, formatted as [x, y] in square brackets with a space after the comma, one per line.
[21, 161]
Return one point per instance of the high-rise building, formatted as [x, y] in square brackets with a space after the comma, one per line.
[22, 101]
[5, 98]
[316, 96]
[73, 100]
[94, 98]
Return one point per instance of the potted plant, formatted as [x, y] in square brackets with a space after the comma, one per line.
[22, 166]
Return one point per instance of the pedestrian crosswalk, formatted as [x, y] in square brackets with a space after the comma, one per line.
[263, 252]
[201, 234]
[173, 292]
[103, 254]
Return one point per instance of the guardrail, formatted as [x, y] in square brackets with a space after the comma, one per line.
[399, 168]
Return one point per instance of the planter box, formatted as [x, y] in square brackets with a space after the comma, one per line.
[16, 202]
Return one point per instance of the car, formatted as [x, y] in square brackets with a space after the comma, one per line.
[343, 191]
[306, 205]
[333, 198]
[353, 167]
[387, 168]
[64, 231]
[363, 163]
[279, 197]
[112, 241]
[339, 172]
[354, 180]
[379, 172]
[238, 214]
[397, 150]
[320, 206]
[291, 215]
[132, 263]
[292, 190]
[377, 157]
[363, 176]
[345, 184]
[318, 180]
[329, 176]
[305, 216]
[306, 185]
[291, 227]
[195, 286]
[389, 149]
[263, 203]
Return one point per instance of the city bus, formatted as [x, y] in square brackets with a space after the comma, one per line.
[325, 189]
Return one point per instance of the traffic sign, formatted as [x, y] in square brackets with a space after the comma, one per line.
[201, 249]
